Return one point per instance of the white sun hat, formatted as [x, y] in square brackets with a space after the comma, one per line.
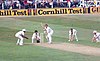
[94, 31]
[23, 29]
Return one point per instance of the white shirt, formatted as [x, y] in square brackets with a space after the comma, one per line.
[51, 3]
[48, 30]
[36, 35]
[97, 36]
[74, 32]
[19, 33]
[61, 0]
[8, 2]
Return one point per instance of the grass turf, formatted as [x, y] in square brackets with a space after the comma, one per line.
[60, 24]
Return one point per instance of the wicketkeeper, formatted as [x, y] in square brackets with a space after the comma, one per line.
[20, 35]
[36, 36]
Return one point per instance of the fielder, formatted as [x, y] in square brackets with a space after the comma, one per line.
[96, 37]
[20, 36]
[36, 36]
[73, 35]
[48, 32]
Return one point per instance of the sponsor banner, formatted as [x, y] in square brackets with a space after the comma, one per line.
[75, 10]
[34, 12]
[59, 11]
[18, 12]
[95, 10]
[85, 10]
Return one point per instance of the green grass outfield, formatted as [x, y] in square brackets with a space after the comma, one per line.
[84, 24]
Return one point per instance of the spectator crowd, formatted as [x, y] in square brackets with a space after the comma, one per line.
[26, 4]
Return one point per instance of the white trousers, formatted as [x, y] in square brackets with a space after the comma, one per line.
[20, 40]
[98, 39]
[74, 37]
[49, 37]
[34, 38]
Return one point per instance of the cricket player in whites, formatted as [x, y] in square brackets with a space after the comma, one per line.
[96, 37]
[20, 35]
[73, 35]
[36, 36]
[48, 32]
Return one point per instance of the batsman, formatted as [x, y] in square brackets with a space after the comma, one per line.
[48, 32]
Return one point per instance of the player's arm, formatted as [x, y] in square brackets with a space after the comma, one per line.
[24, 36]
[94, 39]
[45, 31]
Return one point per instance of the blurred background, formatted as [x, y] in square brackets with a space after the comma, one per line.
[33, 4]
